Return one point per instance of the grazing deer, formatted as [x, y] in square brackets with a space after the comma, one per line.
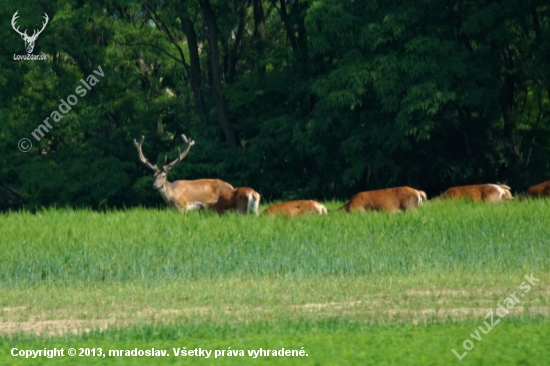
[183, 195]
[296, 208]
[479, 192]
[389, 199]
[539, 190]
[242, 199]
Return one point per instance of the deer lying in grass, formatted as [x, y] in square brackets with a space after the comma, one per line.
[389, 199]
[243, 200]
[479, 192]
[296, 208]
[539, 190]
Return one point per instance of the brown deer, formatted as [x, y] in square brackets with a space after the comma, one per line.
[296, 208]
[539, 190]
[183, 195]
[479, 192]
[242, 199]
[389, 199]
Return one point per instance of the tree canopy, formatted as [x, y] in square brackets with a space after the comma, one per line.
[295, 98]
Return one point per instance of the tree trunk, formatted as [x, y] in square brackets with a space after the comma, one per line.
[294, 21]
[215, 69]
[507, 100]
[288, 26]
[234, 54]
[259, 35]
[195, 69]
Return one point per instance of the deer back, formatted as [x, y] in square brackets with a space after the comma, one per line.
[539, 190]
[204, 191]
[480, 192]
[242, 200]
[389, 199]
[296, 208]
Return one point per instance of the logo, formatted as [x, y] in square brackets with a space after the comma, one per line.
[29, 40]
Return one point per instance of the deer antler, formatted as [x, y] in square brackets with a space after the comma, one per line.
[181, 155]
[24, 34]
[13, 19]
[142, 157]
[34, 35]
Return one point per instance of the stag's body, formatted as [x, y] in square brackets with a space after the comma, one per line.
[539, 190]
[479, 192]
[296, 208]
[390, 199]
[186, 195]
[183, 195]
[242, 199]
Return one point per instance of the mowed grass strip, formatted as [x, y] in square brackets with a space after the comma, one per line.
[71, 247]
[331, 341]
[54, 309]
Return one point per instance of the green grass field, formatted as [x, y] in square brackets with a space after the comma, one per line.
[371, 288]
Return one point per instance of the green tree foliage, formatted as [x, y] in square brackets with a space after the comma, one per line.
[298, 99]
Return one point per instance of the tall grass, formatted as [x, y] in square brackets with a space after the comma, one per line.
[68, 247]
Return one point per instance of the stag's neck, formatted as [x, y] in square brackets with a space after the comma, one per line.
[167, 194]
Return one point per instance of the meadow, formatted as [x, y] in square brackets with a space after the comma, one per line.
[370, 288]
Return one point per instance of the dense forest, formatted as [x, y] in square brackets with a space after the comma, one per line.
[297, 99]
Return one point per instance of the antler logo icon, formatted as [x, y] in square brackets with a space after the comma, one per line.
[29, 41]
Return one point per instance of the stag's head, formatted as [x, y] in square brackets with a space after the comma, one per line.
[507, 196]
[29, 40]
[160, 178]
[160, 173]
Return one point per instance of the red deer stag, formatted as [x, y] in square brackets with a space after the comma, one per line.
[539, 190]
[183, 195]
[296, 208]
[242, 200]
[389, 199]
[479, 192]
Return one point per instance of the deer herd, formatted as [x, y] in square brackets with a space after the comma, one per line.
[220, 196]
